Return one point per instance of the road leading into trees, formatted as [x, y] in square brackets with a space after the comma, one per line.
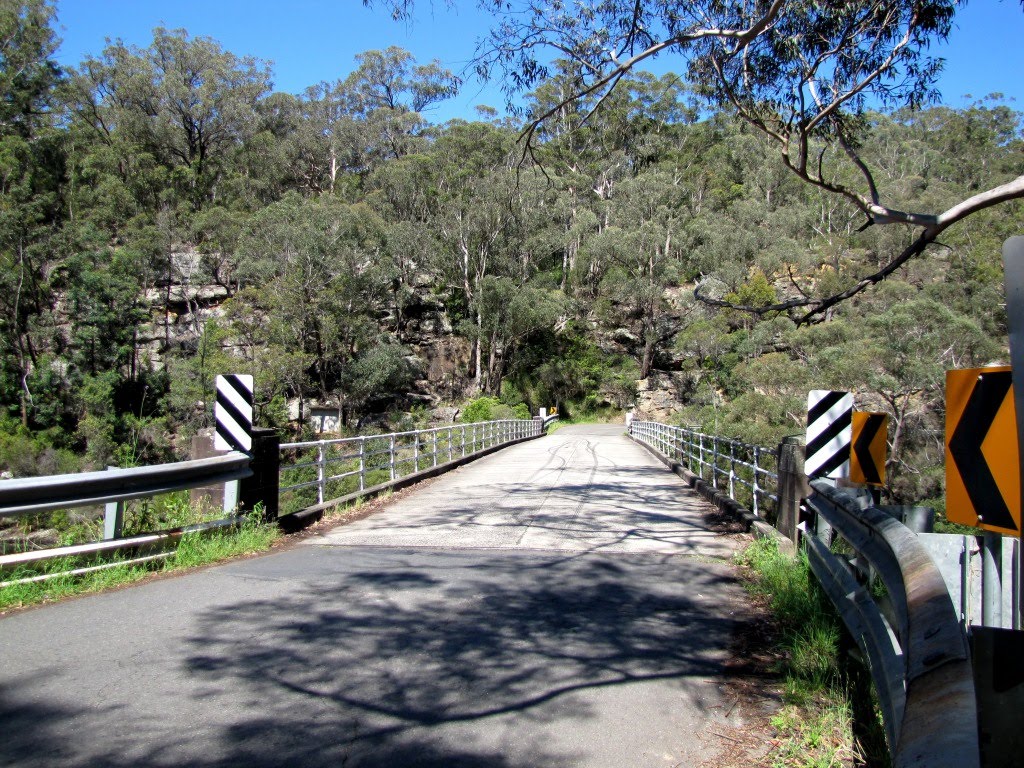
[558, 603]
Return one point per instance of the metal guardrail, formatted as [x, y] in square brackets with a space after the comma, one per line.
[346, 465]
[734, 464]
[28, 495]
[31, 495]
[910, 634]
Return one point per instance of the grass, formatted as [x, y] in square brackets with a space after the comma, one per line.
[816, 723]
[193, 550]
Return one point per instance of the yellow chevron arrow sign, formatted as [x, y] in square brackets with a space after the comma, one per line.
[869, 448]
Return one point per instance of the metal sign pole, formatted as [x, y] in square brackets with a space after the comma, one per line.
[1013, 276]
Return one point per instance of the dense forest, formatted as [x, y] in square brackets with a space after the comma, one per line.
[167, 216]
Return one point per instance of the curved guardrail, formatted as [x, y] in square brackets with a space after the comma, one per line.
[911, 635]
[28, 495]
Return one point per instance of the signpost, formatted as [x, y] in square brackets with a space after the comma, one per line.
[233, 413]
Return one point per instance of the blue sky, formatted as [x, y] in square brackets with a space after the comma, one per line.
[313, 40]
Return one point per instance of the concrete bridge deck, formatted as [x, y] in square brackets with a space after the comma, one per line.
[558, 603]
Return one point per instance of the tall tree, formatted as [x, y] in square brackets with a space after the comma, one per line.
[184, 100]
[31, 172]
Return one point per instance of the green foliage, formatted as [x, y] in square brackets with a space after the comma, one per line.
[165, 218]
[27, 454]
[481, 409]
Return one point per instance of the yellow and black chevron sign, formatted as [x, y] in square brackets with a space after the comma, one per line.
[982, 458]
[869, 448]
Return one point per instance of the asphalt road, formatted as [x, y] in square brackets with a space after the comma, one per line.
[559, 603]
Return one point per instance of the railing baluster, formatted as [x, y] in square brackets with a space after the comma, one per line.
[732, 470]
[362, 463]
[756, 489]
[321, 471]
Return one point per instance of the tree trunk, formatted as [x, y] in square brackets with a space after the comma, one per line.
[478, 351]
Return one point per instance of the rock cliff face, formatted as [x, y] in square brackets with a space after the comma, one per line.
[440, 359]
[660, 395]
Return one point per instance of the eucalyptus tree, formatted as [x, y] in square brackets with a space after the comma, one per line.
[355, 124]
[319, 287]
[182, 99]
[800, 72]
[31, 174]
[644, 248]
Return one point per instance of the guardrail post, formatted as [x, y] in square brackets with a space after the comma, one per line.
[991, 579]
[113, 519]
[792, 487]
[433, 434]
[321, 471]
[262, 486]
[391, 456]
[416, 452]
[732, 470]
[714, 462]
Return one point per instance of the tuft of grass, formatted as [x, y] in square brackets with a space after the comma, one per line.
[822, 741]
[60, 587]
[815, 724]
[196, 549]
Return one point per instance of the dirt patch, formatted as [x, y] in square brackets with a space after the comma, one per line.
[723, 521]
[744, 735]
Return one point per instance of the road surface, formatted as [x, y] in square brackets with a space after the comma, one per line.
[558, 603]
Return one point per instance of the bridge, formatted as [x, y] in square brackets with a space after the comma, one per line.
[564, 599]
[561, 602]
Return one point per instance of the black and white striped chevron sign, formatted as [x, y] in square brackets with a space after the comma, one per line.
[233, 413]
[829, 433]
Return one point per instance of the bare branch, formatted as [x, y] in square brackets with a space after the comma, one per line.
[1012, 190]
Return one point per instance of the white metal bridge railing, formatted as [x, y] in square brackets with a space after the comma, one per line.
[747, 473]
[339, 467]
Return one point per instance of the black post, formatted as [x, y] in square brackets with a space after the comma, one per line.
[265, 481]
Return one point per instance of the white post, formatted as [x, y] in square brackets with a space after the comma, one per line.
[362, 463]
[113, 520]
[391, 455]
[321, 471]
[756, 486]
[230, 497]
